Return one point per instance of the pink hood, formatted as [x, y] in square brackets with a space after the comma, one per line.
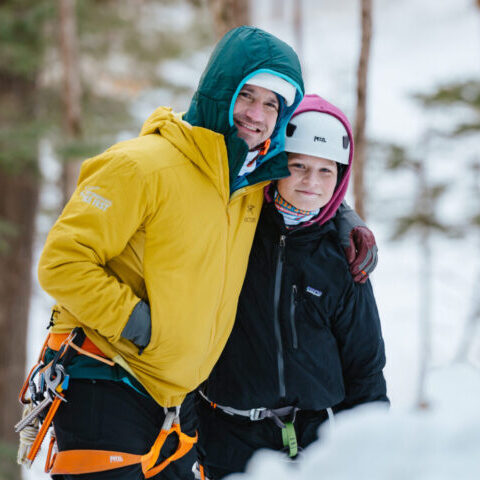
[315, 103]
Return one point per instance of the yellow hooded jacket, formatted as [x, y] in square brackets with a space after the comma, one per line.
[151, 219]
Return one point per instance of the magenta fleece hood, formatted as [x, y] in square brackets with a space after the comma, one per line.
[314, 103]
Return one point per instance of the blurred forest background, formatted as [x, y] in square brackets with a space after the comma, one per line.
[76, 76]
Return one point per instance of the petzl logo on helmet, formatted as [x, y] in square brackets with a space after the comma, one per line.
[319, 134]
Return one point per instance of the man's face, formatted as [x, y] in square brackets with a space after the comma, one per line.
[311, 183]
[255, 114]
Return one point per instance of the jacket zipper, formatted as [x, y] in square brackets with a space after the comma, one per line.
[293, 304]
[276, 319]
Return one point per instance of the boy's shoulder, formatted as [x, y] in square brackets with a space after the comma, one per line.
[328, 261]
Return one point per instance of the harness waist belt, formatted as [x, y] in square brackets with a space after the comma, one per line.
[255, 414]
[55, 341]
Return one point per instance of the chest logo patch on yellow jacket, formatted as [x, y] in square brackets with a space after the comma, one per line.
[250, 217]
[89, 196]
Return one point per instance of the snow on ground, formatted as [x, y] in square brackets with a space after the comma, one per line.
[417, 45]
[371, 443]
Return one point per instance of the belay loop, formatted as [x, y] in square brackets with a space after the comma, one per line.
[289, 439]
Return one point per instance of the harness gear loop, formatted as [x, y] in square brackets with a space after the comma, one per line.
[52, 449]
[45, 396]
[43, 431]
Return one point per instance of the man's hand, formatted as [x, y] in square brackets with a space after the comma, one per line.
[358, 242]
[361, 253]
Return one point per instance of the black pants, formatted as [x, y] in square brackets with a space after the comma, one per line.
[226, 442]
[109, 415]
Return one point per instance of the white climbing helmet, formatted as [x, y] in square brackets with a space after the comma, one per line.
[275, 84]
[320, 135]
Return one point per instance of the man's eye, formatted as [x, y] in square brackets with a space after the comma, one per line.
[272, 106]
[296, 165]
[245, 95]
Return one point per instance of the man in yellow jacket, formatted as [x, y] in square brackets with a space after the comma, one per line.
[149, 255]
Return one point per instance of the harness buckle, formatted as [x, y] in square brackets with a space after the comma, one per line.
[256, 413]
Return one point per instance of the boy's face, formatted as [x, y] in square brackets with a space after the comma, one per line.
[311, 183]
[255, 114]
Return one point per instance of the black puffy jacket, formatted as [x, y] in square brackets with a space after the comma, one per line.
[305, 334]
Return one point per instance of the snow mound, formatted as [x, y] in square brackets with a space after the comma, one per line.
[441, 442]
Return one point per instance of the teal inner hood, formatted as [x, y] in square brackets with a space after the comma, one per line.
[242, 53]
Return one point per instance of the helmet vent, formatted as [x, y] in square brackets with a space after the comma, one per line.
[291, 129]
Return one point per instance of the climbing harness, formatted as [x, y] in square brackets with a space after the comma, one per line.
[75, 462]
[289, 437]
[47, 383]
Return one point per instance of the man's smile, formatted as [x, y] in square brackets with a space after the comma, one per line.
[247, 126]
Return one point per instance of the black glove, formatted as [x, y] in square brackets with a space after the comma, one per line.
[358, 242]
[139, 326]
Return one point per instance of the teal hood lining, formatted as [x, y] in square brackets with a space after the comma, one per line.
[277, 140]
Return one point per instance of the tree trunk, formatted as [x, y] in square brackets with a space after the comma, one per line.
[278, 8]
[19, 133]
[71, 91]
[18, 207]
[298, 27]
[228, 14]
[18, 203]
[425, 281]
[472, 325]
[361, 113]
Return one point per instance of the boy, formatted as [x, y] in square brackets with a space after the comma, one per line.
[307, 341]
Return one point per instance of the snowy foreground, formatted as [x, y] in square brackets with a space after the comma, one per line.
[441, 442]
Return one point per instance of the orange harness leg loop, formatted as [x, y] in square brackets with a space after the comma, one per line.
[185, 444]
[75, 462]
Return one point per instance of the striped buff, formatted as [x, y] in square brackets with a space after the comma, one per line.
[291, 215]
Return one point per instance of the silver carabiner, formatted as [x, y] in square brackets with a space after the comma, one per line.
[54, 379]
